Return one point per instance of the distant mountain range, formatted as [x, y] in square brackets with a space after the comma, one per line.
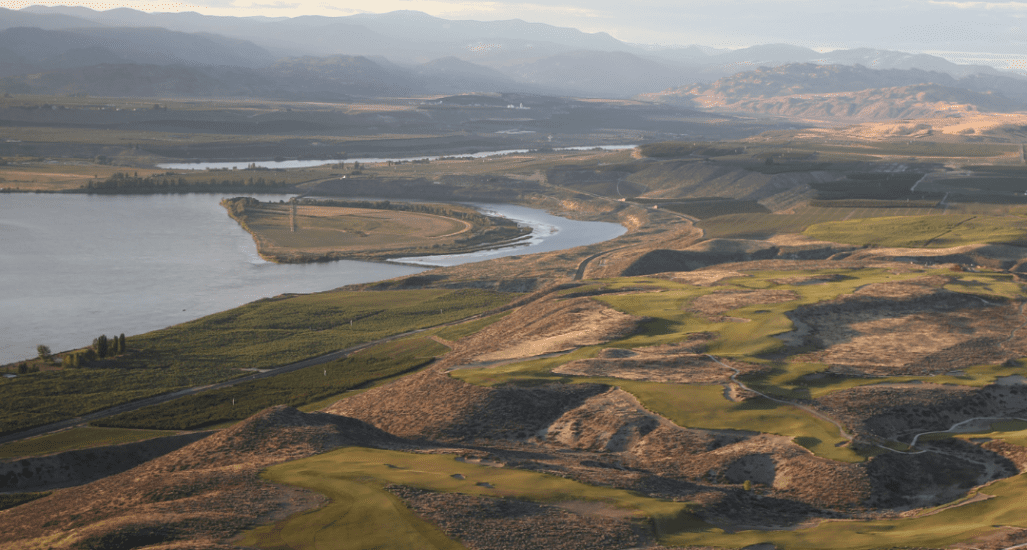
[45, 49]
[849, 92]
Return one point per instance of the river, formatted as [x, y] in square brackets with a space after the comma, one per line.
[77, 266]
[283, 164]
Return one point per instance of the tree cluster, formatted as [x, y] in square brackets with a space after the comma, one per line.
[123, 182]
[102, 348]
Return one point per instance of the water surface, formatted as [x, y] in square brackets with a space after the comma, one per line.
[73, 266]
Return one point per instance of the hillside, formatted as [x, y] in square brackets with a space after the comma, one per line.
[851, 93]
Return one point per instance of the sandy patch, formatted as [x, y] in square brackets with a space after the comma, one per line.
[681, 363]
[903, 326]
[700, 278]
[711, 306]
[549, 327]
[682, 369]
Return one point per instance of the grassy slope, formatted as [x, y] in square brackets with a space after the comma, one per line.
[363, 515]
[76, 438]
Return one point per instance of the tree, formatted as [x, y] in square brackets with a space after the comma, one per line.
[121, 343]
[101, 346]
[44, 353]
[23, 368]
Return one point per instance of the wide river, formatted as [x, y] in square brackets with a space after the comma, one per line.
[73, 267]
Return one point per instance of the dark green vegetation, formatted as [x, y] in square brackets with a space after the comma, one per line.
[10, 500]
[295, 388]
[102, 348]
[171, 183]
[673, 149]
[264, 334]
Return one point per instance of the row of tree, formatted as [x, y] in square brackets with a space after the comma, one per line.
[123, 182]
[102, 348]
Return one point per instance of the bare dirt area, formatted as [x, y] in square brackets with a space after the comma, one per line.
[704, 277]
[665, 364]
[712, 306]
[548, 326]
[898, 413]
[907, 328]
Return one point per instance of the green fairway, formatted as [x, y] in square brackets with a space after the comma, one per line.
[363, 515]
[666, 306]
[940, 529]
[76, 438]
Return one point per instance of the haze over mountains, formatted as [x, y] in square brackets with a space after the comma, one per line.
[62, 50]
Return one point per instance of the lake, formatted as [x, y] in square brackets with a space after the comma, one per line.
[77, 266]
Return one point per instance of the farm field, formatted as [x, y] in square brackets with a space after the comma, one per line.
[922, 231]
[264, 334]
[309, 385]
[760, 226]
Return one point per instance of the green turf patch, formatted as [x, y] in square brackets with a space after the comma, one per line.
[363, 515]
[941, 529]
[76, 438]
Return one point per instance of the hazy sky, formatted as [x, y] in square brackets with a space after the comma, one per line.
[912, 25]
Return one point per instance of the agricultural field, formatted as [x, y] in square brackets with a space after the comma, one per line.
[934, 231]
[309, 385]
[261, 335]
[761, 226]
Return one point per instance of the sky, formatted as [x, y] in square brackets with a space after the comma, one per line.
[995, 27]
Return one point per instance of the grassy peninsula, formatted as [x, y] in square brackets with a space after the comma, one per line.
[307, 230]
